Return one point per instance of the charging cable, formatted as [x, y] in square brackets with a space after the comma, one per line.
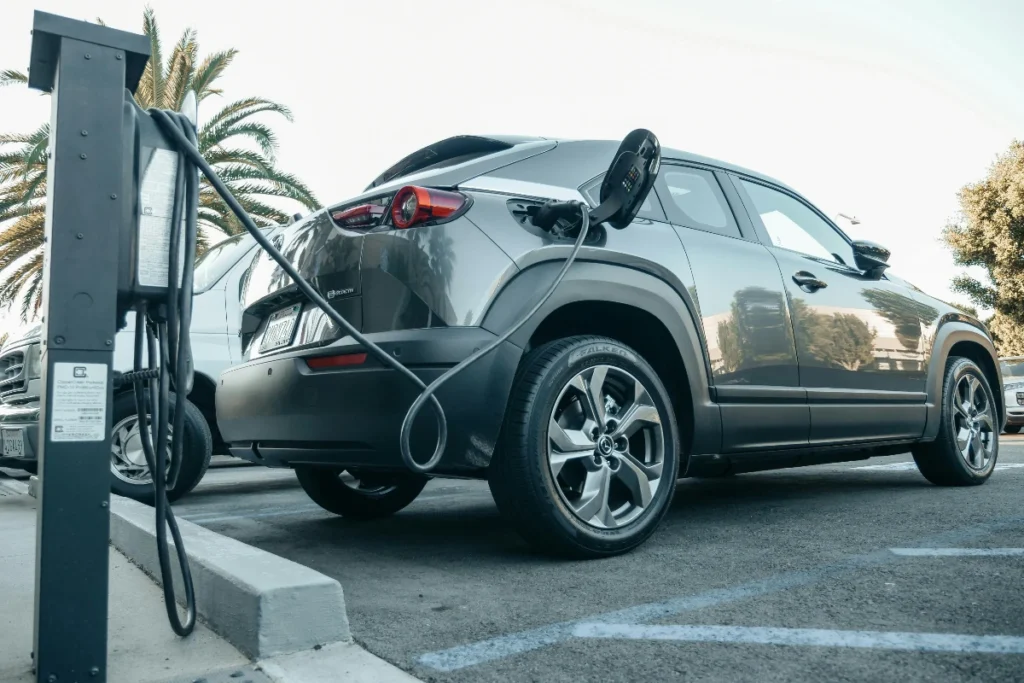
[427, 392]
[163, 331]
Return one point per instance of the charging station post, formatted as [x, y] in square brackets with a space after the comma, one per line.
[86, 67]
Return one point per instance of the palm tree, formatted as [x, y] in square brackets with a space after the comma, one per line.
[240, 148]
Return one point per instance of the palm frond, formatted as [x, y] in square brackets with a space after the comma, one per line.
[31, 298]
[259, 133]
[258, 105]
[151, 88]
[242, 157]
[209, 71]
[19, 278]
[180, 67]
[12, 77]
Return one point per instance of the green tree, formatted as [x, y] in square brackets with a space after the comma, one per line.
[234, 140]
[990, 234]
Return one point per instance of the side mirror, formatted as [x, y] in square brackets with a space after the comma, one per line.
[629, 179]
[872, 258]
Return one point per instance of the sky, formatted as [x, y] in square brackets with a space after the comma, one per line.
[877, 109]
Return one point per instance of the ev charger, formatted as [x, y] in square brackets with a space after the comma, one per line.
[151, 163]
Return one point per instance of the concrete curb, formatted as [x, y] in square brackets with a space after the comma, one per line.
[262, 604]
[14, 486]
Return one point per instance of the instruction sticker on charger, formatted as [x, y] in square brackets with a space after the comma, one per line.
[79, 411]
[156, 203]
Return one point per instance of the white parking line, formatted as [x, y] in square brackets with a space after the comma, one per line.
[509, 644]
[920, 642]
[901, 466]
[958, 552]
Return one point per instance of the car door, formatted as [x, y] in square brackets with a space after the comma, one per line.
[742, 302]
[859, 340]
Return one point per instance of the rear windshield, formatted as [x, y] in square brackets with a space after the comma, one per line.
[218, 260]
[1013, 368]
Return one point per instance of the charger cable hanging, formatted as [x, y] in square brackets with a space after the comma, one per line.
[162, 331]
[427, 392]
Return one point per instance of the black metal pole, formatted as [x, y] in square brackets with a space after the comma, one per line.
[87, 67]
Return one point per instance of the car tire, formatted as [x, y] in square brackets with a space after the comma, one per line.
[372, 496]
[540, 481]
[966, 449]
[196, 453]
[1012, 429]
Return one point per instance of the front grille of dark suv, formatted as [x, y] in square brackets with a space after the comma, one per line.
[12, 373]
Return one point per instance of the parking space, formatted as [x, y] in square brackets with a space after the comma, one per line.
[860, 571]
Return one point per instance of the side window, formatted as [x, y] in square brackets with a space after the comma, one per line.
[650, 209]
[792, 225]
[695, 200]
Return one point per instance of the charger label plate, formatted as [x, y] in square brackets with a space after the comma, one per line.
[79, 406]
[156, 204]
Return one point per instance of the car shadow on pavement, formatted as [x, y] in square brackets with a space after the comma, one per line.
[468, 526]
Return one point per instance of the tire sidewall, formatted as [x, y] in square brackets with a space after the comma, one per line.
[570, 362]
[194, 459]
[957, 371]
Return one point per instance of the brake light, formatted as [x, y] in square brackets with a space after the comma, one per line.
[415, 205]
[364, 214]
[323, 362]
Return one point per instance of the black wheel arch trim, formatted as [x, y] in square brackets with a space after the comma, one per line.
[951, 331]
[595, 281]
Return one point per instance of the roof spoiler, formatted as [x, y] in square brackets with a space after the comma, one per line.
[447, 150]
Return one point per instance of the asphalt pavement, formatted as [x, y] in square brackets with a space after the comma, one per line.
[854, 572]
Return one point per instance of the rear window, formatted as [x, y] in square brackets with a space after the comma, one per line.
[1013, 368]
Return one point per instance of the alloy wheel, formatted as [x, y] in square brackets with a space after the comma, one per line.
[973, 422]
[606, 447]
[127, 459]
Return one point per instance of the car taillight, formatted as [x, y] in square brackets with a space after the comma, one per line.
[323, 362]
[415, 205]
[357, 216]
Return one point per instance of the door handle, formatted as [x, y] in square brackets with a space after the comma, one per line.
[808, 282]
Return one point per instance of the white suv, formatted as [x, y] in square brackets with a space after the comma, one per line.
[1013, 392]
[216, 345]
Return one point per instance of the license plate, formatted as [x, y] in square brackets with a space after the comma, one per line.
[1020, 398]
[280, 328]
[14, 443]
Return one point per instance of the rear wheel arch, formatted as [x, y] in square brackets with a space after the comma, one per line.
[958, 339]
[618, 302]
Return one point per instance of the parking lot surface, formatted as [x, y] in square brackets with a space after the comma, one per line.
[852, 572]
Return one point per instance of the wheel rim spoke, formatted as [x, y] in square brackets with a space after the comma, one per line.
[590, 409]
[569, 440]
[962, 408]
[963, 442]
[637, 416]
[985, 420]
[593, 503]
[595, 383]
[638, 478]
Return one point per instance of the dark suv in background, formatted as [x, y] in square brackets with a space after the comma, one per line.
[732, 327]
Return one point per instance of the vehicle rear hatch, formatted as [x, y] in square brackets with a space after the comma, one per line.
[326, 247]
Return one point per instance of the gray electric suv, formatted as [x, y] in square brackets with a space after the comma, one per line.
[732, 327]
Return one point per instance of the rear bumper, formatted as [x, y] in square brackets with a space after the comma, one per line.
[24, 419]
[277, 412]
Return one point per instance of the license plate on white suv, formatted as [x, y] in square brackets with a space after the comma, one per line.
[14, 443]
[280, 328]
